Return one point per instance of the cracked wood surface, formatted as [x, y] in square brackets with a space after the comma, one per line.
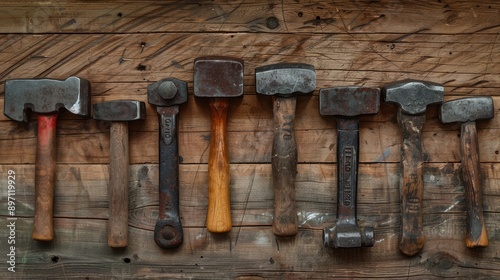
[123, 46]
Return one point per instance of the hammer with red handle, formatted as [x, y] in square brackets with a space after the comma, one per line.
[119, 113]
[219, 78]
[45, 97]
[285, 81]
[466, 111]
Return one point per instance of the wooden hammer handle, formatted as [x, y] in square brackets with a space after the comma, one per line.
[118, 185]
[476, 235]
[219, 206]
[284, 164]
[45, 173]
[412, 187]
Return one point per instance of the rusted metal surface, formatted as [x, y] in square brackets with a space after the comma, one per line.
[216, 76]
[119, 110]
[168, 229]
[347, 103]
[411, 98]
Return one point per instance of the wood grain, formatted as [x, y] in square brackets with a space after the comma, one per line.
[123, 46]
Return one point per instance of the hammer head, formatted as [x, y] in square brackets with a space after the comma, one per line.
[217, 76]
[349, 101]
[348, 236]
[46, 96]
[120, 110]
[285, 79]
[167, 92]
[467, 109]
[413, 96]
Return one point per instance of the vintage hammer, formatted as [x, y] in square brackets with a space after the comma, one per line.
[119, 113]
[45, 97]
[167, 94]
[347, 103]
[219, 78]
[467, 111]
[285, 81]
[412, 98]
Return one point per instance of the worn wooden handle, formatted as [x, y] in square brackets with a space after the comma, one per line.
[412, 188]
[45, 173]
[476, 235]
[118, 185]
[284, 163]
[219, 212]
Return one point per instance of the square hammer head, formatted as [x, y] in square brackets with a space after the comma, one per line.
[120, 110]
[217, 76]
[467, 109]
[285, 79]
[349, 101]
[46, 96]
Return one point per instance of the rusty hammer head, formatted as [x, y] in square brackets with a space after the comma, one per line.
[413, 96]
[217, 76]
[348, 236]
[120, 110]
[167, 92]
[285, 79]
[467, 109]
[46, 96]
[349, 101]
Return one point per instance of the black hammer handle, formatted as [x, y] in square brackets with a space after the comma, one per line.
[412, 187]
[168, 229]
[347, 169]
[284, 164]
[476, 235]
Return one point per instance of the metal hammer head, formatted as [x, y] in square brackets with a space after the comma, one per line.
[413, 96]
[467, 109]
[349, 101]
[120, 110]
[348, 236]
[167, 92]
[46, 96]
[285, 79]
[217, 76]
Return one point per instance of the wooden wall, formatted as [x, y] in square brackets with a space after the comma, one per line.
[123, 46]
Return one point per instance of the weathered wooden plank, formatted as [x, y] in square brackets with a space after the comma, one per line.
[250, 16]
[470, 61]
[81, 192]
[250, 135]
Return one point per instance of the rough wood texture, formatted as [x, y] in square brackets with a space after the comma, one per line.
[123, 46]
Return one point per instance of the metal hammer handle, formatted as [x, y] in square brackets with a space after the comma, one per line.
[168, 230]
[412, 187]
[118, 185]
[45, 173]
[219, 206]
[284, 164]
[476, 235]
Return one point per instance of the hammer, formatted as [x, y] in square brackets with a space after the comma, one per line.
[218, 78]
[412, 98]
[467, 111]
[347, 103]
[285, 81]
[119, 112]
[167, 95]
[45, 97]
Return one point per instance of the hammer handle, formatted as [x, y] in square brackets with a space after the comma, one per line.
[476, 235]
[284, 164]
[45, 173]
[168, 230]
[118, 185]
[219, 206]
[412, 187]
